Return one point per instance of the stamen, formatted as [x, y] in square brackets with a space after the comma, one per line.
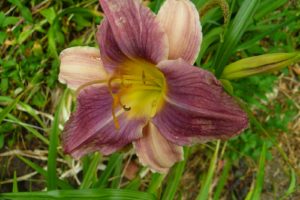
[126, 108]
[115, 103]
[134, 81]
[110, 84]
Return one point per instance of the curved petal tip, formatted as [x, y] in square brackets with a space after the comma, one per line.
[196, 106]
[80, 65]
[155, 151]
[181, 22]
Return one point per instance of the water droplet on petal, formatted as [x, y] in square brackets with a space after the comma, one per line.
[121, 21]
[114, 7]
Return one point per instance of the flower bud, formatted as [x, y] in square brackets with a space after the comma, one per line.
[259, 64]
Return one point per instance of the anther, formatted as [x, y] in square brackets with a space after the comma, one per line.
[89, 84]
[126, 108]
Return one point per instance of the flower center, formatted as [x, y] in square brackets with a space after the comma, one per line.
[138, 87]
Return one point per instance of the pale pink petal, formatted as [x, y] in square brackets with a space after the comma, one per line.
[135, 29]
[92, 128]
[180, 20]
[155, 151]
[196, 107]
[80, 65]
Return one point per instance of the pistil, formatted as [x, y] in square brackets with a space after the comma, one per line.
[132, 89]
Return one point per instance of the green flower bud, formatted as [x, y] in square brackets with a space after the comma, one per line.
[259, 64]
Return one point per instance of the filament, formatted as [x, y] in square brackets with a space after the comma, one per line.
[88, 84]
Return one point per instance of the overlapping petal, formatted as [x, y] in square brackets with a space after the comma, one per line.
[92, 128]
[180, 20]
[80, 65]
[196, 107]
[155, 151]
[136, 30]
[111, 54]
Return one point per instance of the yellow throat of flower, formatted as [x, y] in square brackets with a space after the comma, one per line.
[138, 86]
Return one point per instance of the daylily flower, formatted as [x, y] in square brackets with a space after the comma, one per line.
[141, 87]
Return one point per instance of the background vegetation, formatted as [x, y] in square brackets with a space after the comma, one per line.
[262, 163]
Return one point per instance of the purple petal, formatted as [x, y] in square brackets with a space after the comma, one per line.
[155, 151]
[136, 30]
[92, 128]
[196, 107]
[180, 20]
[111, 54]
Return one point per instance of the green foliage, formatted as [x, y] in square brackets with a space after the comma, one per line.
[90, 194]
[113, 163]
[255, 191]
[205, 188]
[52, 153]
[33, 110]
[174, 178]
[91, 172]
[223, 179]
[234, 33]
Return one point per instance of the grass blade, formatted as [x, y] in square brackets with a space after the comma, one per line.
[174, 178]
[112, 163]
[234, 34]
[208, 39]
[255, 193]
[156, 182]
[134, 184]
[9, 108]
[253, 41]
[117, 175]
[27, 127]
[62, 184]
[15, 183]
[222, 180]
[90, 194]
[157, 6]
[204, 192]
[267, 7]
[52, 155]
[292, 186]
[250, 193]
[52, 176]
[91, 172]
[199, 3]
[24, 107]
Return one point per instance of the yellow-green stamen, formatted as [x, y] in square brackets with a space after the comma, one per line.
[138, 87]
